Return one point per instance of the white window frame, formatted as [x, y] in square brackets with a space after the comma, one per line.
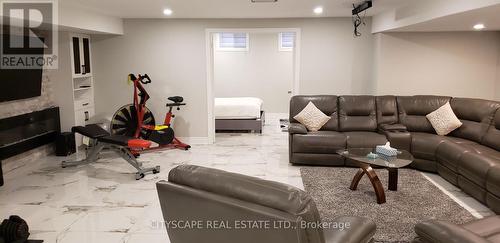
[280, 42]
[232, 49]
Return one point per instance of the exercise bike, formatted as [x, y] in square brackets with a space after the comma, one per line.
[137, 121]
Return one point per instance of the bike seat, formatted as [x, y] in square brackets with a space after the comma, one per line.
[176, 99]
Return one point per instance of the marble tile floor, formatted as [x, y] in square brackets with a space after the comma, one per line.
[102, 202]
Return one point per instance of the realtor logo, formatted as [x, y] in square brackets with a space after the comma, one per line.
[28, 34]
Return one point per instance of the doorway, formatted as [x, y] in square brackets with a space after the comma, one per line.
[261, 63]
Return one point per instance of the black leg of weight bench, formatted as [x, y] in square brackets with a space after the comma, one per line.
[91, 155]
[130, 158]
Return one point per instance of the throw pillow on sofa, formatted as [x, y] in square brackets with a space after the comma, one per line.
[312, 118]
[444, 120]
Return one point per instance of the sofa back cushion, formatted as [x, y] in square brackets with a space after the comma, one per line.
[325, 103]
[357, 113]
[413, 109]
[476, 116]
[492, 137]
[387, 109]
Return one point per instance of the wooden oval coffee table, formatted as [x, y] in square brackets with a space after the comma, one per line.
[392, 164]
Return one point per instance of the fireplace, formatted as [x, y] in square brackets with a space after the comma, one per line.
[24, 132]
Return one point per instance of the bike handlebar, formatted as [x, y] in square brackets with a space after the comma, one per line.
[144, 79]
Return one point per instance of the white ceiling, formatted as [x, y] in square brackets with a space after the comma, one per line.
[226, 8]
[464, 21]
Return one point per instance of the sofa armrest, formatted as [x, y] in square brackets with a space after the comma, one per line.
[297, 128]
[397, 135]
[440, 231]
[392, 128]
[357, 230]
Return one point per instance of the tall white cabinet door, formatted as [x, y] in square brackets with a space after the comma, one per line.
[81, 64]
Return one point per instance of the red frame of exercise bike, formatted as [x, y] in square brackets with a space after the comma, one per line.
[140, 106]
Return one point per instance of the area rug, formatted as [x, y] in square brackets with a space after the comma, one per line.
[416, 200]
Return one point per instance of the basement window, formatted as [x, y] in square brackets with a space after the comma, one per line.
[286, 41]
[230, 41]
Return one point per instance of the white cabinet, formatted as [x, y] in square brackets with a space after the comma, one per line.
[83, 115]
[73, 82]
[80, 52]
[81, 118]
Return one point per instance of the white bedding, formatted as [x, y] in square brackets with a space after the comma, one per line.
[237, 108]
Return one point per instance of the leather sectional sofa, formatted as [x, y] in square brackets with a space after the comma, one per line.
[469, 157]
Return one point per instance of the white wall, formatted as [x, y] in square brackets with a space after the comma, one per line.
[452, 63]
[76, 18]
[264, 72]
[173, 53]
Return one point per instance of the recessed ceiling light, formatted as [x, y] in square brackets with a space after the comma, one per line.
[479, 26]
[168, 11]
[318, 10]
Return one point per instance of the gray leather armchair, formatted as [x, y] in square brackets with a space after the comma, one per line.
[215, 206]
[485, 230]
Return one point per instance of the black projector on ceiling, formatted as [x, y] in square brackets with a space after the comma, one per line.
[362, 7]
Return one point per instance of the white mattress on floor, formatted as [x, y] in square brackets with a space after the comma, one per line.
[237, 108]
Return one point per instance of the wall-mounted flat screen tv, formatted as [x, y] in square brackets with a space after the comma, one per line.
[23, 83]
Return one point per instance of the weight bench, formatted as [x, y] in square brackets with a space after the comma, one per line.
[122, 145]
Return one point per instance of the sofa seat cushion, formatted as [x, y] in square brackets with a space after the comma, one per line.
[320, 142]
[493, 180]
[460, 140]
[364, 139]
[484, 150]
[475, 167]
[449, 153]
[424, 145]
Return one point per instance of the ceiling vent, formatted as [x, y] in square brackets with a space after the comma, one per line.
[264, 1]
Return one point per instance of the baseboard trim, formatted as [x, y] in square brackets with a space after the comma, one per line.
[195, 140]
